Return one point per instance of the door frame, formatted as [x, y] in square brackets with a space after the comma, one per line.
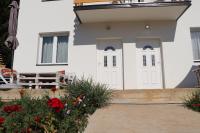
[138, 40]
[99, 40]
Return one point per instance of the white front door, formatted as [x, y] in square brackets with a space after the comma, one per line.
[109, 63]
[149, 71]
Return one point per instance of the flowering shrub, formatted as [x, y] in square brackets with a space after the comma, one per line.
[2, 120]
[54, 115]
[56, 104]
[53, 89]
[94, 94]
[196, 105]
[21, 92]
[193, 101]
[12, 108]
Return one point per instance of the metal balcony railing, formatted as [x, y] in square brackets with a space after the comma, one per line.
[95, 2]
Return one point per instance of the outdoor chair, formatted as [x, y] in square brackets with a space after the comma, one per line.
[69, 78]
[7, 76]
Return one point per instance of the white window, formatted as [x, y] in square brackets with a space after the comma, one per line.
[195, 36]
[53, 49]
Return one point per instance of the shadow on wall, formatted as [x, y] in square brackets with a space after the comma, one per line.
[190, 81]
[88, 33]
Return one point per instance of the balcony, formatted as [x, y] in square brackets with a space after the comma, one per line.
[90, 11]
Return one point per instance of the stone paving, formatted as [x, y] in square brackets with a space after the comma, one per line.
[144, 118]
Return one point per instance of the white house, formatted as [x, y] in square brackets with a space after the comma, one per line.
[127, 44]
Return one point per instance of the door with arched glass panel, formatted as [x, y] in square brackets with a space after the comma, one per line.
[149, 72]
[109, 63]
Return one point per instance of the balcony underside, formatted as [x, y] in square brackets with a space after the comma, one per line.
[131, 12]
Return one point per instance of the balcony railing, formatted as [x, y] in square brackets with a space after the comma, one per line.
[89, 11]
[95, 2]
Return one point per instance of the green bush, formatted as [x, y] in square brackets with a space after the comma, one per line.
[1, 103]
[68, 114]
[193, 101]
[97, 95]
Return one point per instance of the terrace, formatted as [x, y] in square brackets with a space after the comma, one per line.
[90, 11]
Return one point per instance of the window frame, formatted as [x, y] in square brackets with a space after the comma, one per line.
[194, 29]
[55, 43]
[49, 0]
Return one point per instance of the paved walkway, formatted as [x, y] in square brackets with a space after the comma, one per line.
[154, 118]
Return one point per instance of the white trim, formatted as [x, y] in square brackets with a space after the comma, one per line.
[139, 40]
[41, 64]
[98, 69]
[56, 33]
[54, 54]
[195, 49]
[39, 50]
[162, 65]
[122, 64]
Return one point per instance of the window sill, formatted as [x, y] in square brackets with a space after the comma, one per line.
[58, 64]
[49, 0]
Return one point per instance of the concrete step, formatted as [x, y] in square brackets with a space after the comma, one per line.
[152, 96]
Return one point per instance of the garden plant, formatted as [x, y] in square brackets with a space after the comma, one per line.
[66, 114]
[193, 101]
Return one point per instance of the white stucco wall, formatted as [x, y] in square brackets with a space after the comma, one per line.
[179, 56]
[36, 17]
[128, 32]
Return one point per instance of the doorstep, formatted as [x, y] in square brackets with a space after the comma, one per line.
[153, 96]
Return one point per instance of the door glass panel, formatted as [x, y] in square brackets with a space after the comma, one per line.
[105, 61]
[153, 60]
[114, 61]
[144, 60]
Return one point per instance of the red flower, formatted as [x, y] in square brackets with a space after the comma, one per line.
[196, 105]
[26, 130]
[53, 89]
[12, 108]
[2, 120]
[56, 104]
[37, 119]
